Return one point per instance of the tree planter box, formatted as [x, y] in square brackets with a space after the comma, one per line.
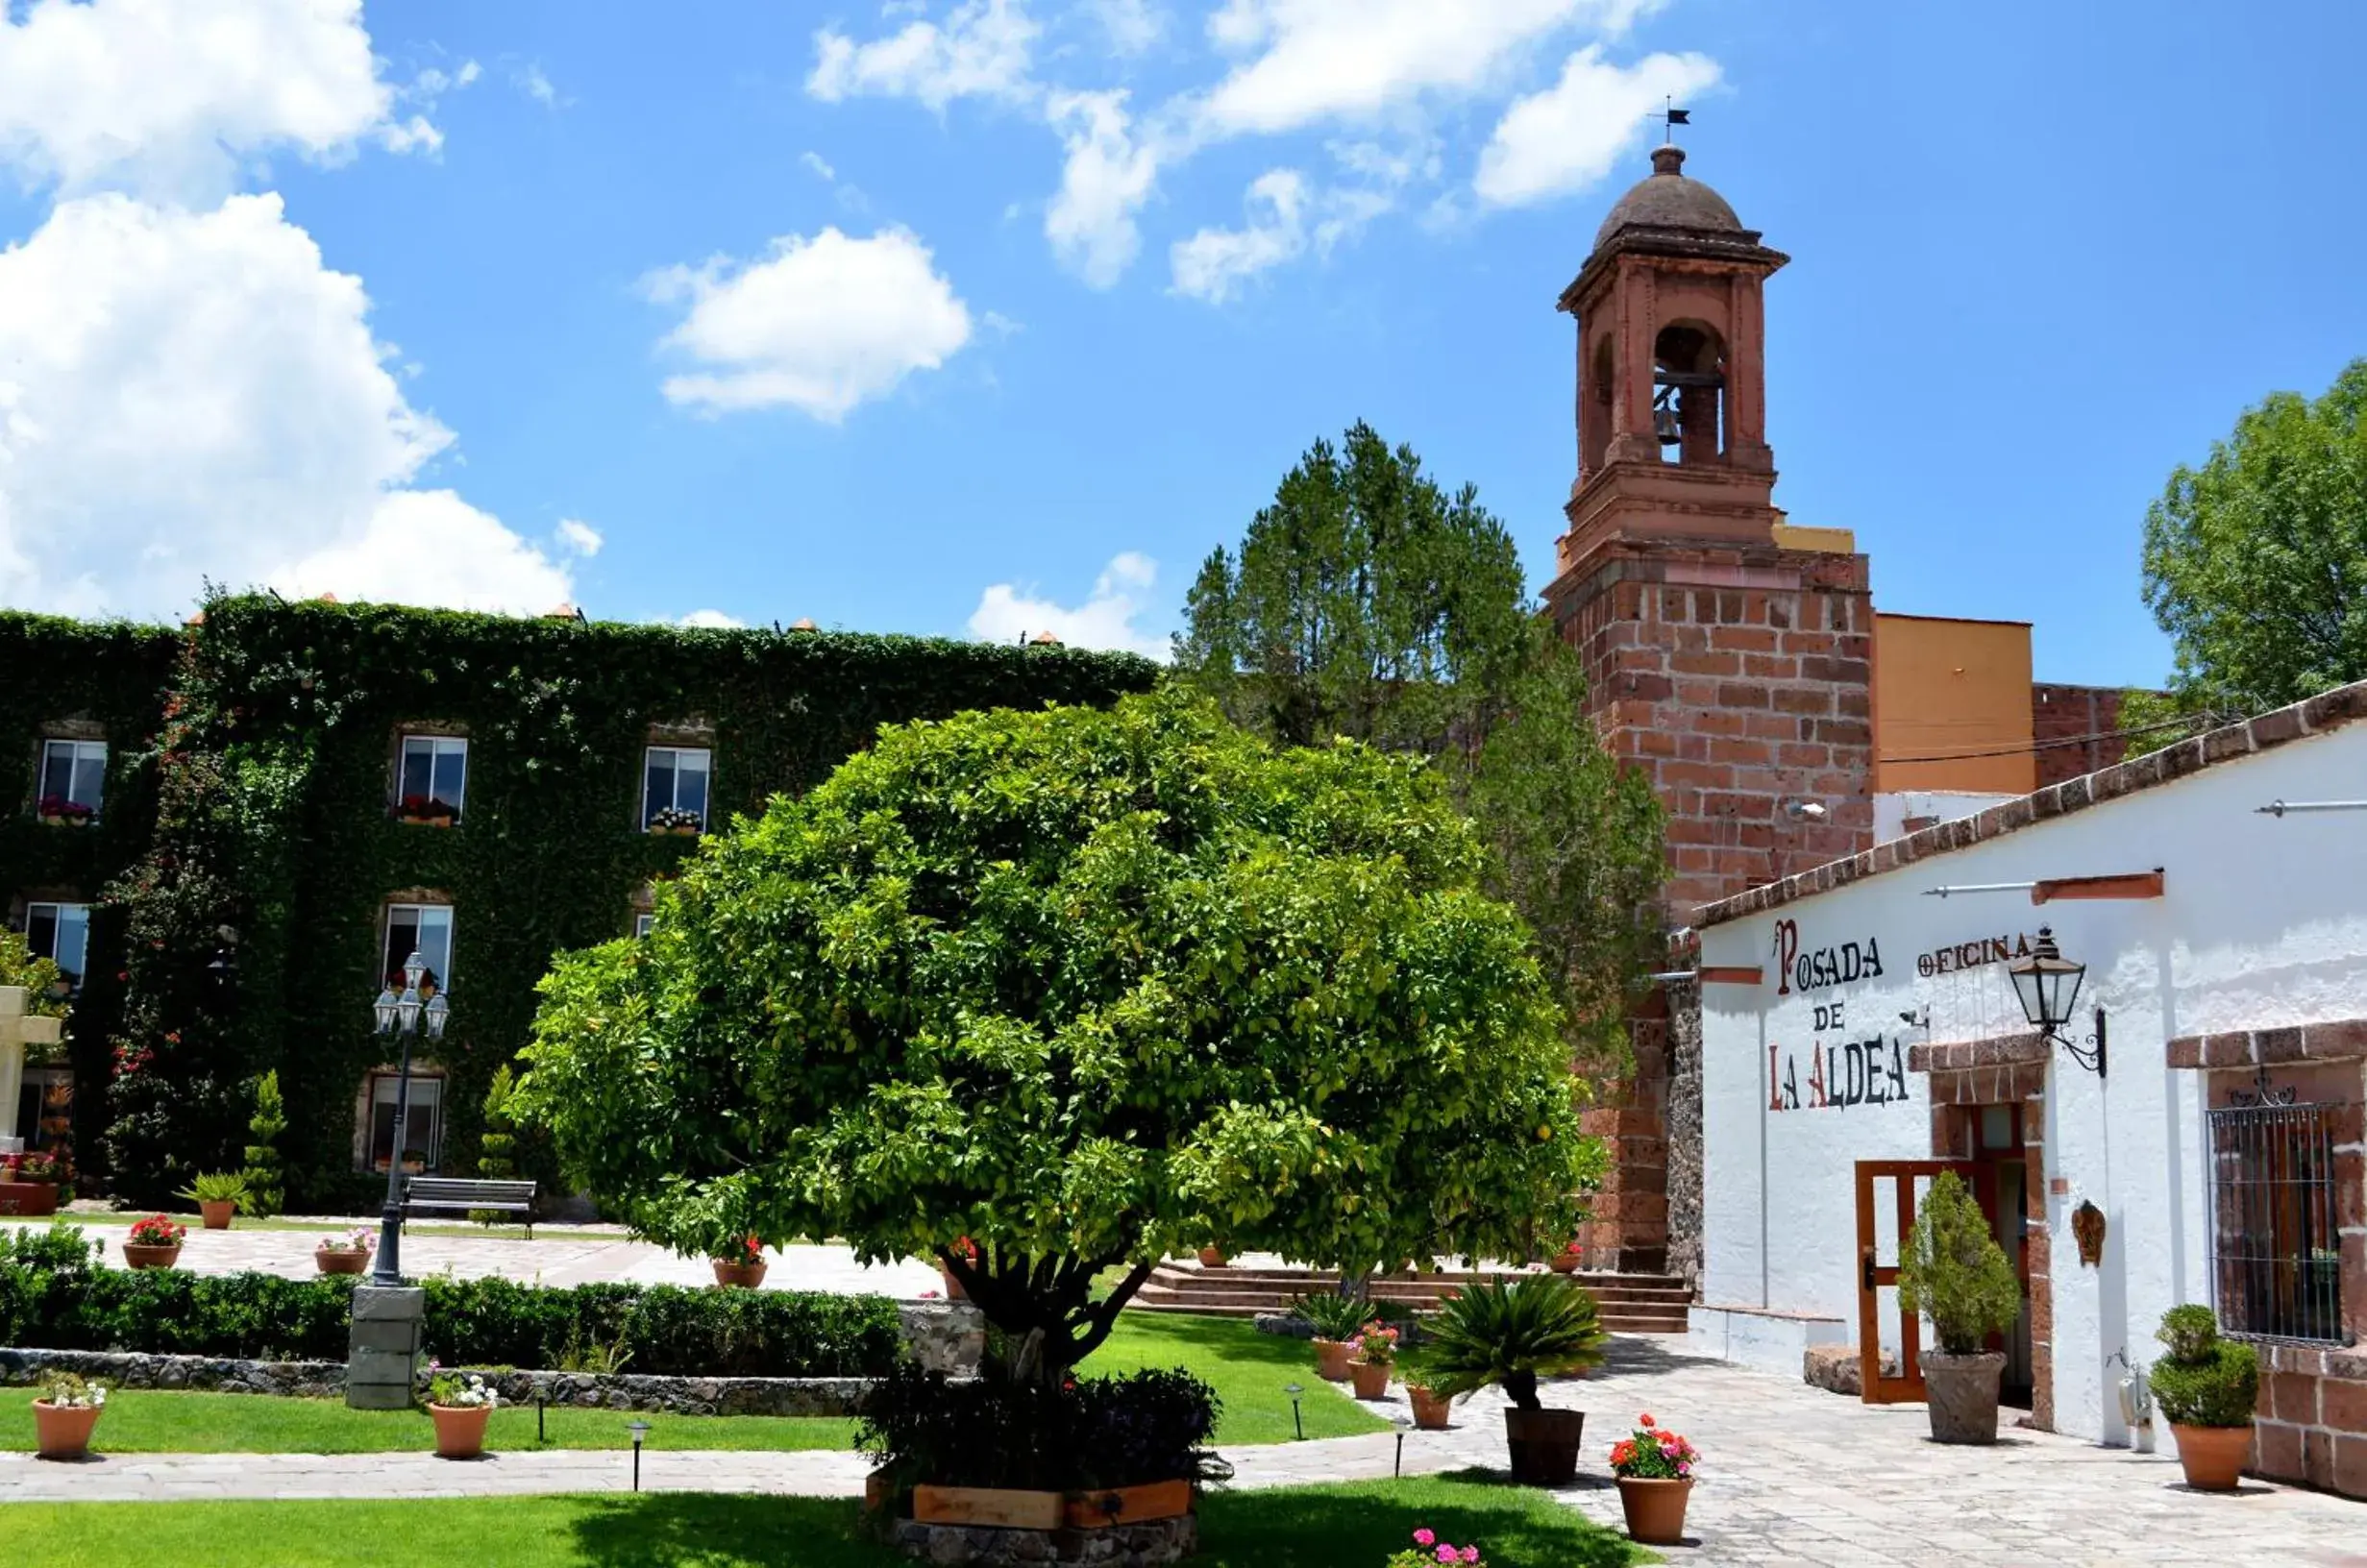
[990, 1506]
[28, 1197]
[1128, 1504]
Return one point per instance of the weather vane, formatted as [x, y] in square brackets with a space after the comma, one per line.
[1670, 117]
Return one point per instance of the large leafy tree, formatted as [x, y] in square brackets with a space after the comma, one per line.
[1086, 988]
[2255, 563]
[1367, 600]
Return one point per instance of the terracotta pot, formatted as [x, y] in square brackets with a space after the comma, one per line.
[878, 1491]
[339, 1260]
[28, 1197]
[1430, 1410]
[460, 1430]
[745, 1276]
[1371, 1378]
[1961, 1391]
[1331, 1359]
[136, 1256]
[1543, 1445]
[1128, 1504]
[2213, 1456]
[1654, 1508]
[217, 1213]
[1562, 1263]
[64, 1431]
[953, 1290]
[1212, 1258]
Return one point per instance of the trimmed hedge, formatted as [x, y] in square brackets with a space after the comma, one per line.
[52, 1297]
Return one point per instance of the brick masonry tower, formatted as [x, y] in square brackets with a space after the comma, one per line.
[1729, 655]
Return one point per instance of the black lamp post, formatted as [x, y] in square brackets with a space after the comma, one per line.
[403, 1015]
[2047, 985]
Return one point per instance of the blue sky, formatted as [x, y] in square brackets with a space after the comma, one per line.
[905, 319]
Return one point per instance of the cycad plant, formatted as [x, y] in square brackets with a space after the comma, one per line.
[1540, 1325]
[1335, 1316]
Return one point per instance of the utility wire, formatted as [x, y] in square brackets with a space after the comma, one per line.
[2070, 740]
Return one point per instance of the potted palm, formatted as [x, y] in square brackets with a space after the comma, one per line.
[344, 1255]
[1336, 1320]
[154, 1242]
[1952, 1272]
[2208, 1387]
[1511, 1335]
[460, 1405]
[217, 1195]
[64, 1411]
[1655, 1471]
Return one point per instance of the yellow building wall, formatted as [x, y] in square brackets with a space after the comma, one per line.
[1949, 689]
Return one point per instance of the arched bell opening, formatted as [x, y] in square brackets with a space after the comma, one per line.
[1688, 393]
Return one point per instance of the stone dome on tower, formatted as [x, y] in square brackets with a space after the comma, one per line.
[1668, 200]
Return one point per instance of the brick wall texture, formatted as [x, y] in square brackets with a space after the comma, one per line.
[2071, 726]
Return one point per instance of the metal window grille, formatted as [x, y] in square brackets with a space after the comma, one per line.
[2276, 1257]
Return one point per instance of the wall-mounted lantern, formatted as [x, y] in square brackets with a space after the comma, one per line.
[2047, 985]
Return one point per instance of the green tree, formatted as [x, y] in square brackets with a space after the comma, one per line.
[266, 1180]
[496, 1148]
[2255, 563]
[1087, 987]
[1368, 601]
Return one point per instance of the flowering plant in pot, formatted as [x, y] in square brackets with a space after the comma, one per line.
[34, 1182]
[1952, 1272]
[58, 812]
[65, 1407]
[461, 1403]
[675, 819]
[966, 1250]
[1564, 1262]
[154, 1242]
[425, 810]
[1372, 1356]
[1432, 1410]
[348, 1254]
[1336, 1320]
[1428, 1551]
[1511, 1335]
[217, 1194]
[742, 1264]
[2208, 1388]
[1655, 1471]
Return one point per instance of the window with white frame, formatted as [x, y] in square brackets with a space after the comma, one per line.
[642, 924]
[423, 1121]
[61, 934]
[673, 787]
[73, 779]
[425, 929]
[431, 776]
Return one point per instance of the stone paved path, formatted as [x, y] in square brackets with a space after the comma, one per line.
[1793, 1475]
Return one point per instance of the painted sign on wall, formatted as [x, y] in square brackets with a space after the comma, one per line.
[1821, 968]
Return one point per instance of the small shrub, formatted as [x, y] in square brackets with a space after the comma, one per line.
[266, 1181]
[2204, 1381]
[1952, 1270]
[1086, 1434]
[1540, 1325]
[217, 1186]
[68, 1391]
[494, 1148]
[1335, 1316]
[2189, 1332]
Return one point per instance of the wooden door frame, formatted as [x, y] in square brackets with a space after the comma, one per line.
[1907, 1386]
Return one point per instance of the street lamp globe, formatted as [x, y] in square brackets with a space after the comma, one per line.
[2047, 984]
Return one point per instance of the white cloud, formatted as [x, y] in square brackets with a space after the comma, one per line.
[711, 621]
[1106, 180]
[185, 395]
[1006, 613]
[1129, 26]
[983, 50]
[531, 82]
[1568, 136]
[168, 98]
[1317, 59]
[579, 537]
[821, 324]
[1214, 262]
[818, 165]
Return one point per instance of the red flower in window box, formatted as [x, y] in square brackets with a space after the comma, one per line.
[426, 811]
[59, 812]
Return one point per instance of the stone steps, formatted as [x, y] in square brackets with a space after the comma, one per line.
[1628, 1303]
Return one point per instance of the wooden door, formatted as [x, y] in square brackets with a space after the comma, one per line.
[1874, 1276]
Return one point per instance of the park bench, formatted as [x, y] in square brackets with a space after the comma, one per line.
[470, 1193]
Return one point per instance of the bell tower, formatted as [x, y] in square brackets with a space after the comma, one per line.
[1729, 655]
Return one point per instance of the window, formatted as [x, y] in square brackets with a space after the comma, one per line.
[423, 1124]
[61, 934]
[642, 924]
[421, 929]
[433, 775]
[2276, 1255]
[73, 778]
[673, 787]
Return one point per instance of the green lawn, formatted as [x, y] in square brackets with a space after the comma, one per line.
[153, 1421]
[1247, 1369]
[1318, 1527]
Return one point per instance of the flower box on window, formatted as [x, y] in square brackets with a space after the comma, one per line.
[675, 821]
[426, 811]
[59, 812]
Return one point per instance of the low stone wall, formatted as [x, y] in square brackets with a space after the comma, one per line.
[1154, 1541]
[217, 1374]
[947, 1336]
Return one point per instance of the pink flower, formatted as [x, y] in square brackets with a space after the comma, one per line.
[1447, 1553]
[1423, 1537]
[1470, 1553]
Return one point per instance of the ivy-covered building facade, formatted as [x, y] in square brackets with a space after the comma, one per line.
[232, 835]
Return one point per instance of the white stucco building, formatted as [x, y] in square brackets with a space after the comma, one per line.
[1862, 1014]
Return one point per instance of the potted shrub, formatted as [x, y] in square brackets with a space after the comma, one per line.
[742, 1266]
[2206, 1388]
[1564, 1262]
[1429, 1552]
[461, 1403]
[64, 1410]
[154, 1242]
[1537, 1326]
[1655, 1471]
[217, 1195]
[1952, 1272]
[1372, 1356]
[346, 1254]
[1432, 1410]
[675, 821]
[1336, 1320]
